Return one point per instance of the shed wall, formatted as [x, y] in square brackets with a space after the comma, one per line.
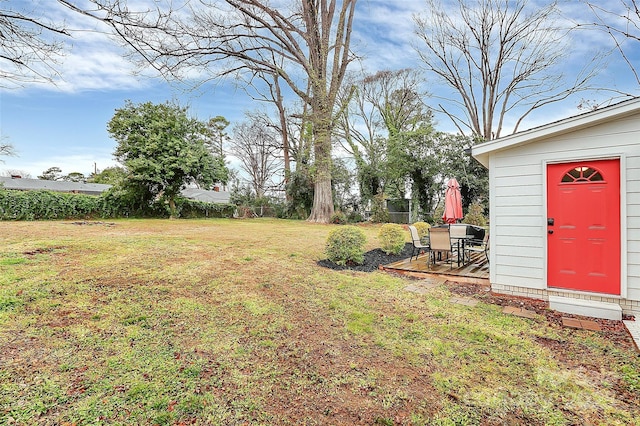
[518, 201]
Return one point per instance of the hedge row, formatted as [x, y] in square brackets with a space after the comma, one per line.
[193, 209]
[43, 205]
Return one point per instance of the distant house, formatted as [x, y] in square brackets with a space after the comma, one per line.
[21, 184]
[565, 212]
[217, 197]
[16, 183]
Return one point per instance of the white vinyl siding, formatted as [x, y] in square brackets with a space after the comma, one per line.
[633, 223]
[518, 200]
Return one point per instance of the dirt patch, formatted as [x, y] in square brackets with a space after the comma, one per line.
[86, 222]
[42, 250]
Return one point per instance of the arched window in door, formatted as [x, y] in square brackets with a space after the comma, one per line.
[582, 174]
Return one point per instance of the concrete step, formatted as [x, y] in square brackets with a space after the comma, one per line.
[587, 308]
[634, 330]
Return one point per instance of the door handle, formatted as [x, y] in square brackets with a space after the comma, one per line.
[550, 221]
[550, 231]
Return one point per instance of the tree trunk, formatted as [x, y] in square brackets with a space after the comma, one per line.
[322, 201]
[285, 133]
[172, 208]
[322, 197]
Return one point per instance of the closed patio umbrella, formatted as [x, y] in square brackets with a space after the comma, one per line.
[452, 202]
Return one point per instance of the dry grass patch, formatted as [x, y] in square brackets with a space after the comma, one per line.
[233, 322]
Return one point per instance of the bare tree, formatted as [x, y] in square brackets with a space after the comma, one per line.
[294, 147]
[309, 40]
[269, 89]
[501, 58]
[622, 24]
[31, 46]
[258, 149]
[15, 172]
[398, 98]
[380, 107]
[6, 149]
[275, 96]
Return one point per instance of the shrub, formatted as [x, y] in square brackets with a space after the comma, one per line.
[116, 202]
[198, 209]
[346, 245]
[355, 217]
[475, 215]
[339, 218]
[392, 238]
[42, 205]
[423, 229]
[300, 190]
[437, 214]
[379, 212]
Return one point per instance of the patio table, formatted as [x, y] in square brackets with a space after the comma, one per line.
[460, 242]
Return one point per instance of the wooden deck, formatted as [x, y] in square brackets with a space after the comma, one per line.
[475, 272]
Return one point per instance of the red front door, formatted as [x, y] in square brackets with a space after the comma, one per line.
[583, 226]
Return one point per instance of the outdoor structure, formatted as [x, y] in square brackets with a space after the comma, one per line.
[207, 196]
[399, 210]
[565, 212]
[20, 184]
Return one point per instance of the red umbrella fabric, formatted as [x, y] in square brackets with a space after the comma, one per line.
[452, 202]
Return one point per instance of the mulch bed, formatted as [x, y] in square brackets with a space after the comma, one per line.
[372, 260]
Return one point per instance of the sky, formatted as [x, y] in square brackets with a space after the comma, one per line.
[64, 124]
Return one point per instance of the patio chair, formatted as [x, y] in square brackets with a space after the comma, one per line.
[418, 245]
[440, 241]
[458, 232]
[476, 246]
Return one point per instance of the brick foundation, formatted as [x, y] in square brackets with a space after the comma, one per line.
[629, 307]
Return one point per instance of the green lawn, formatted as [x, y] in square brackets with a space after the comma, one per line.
[225, 322]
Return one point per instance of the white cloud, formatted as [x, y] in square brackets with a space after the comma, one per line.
[94, 67]
[383, 34]
[90, 58]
